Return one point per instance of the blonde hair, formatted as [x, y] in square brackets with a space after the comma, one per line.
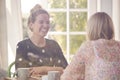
[100, 26]
[35, 11]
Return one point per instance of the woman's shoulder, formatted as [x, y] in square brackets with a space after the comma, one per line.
[86, 44]
[51, 41]
[86, 47]
[23, 42]
[104, 42]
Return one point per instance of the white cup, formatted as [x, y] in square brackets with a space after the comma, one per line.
[45, 77]
[54, 75]
[23, 73]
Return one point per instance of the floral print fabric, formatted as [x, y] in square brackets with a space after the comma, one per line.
[95, 60]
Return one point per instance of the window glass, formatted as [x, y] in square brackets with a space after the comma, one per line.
[58, 21]
[78, 21]
[24, 25]
[78, 4]
[57, 3]
[75, 42]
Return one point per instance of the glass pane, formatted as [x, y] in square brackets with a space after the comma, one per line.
[61, 39]
[57, 3]
[78, 21]
[75, 42]
[58, 21]
[25, 27]
[78, 3]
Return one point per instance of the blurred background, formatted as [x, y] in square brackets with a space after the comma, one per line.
[68, 22]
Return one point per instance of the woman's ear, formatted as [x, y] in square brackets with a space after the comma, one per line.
[31, 26]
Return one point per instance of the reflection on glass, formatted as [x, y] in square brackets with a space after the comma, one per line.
[57, 3]
[78, 21]
[75, 42]
[78, 3]
[58, 21]
[61, 39]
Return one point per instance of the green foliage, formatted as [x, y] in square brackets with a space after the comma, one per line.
[75, 42]
[78, 21]
[25, 27]
[78, 3]
[57, 3]
[58, 22]
[11, 74]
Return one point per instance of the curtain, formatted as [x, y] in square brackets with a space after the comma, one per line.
[1, 61]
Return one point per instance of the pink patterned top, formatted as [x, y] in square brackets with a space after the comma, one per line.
[95, 60]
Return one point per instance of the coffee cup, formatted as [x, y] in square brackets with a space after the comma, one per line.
[23, 73]
[44, 77]
[54, 75]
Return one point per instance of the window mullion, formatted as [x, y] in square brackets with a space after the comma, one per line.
[68, 36]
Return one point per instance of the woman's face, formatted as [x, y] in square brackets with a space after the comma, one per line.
[41, 25]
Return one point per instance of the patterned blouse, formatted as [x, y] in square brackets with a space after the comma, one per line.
[29, 55]
[95, 60]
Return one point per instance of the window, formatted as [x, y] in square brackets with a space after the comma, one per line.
[68, 20]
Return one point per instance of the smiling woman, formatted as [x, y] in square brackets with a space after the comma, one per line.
[38, 52]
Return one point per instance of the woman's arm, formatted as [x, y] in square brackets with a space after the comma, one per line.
[43, 70]
[63, 62]
[21, 51]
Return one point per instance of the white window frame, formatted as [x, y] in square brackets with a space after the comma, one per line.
[67, 33]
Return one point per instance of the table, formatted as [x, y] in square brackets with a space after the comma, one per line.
[17, 79]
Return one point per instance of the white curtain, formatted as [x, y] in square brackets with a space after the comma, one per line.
[1, 61]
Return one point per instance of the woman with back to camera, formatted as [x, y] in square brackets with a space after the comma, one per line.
[98, 58]
[37, 52]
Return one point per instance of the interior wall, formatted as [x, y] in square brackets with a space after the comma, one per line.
[116, 18]
[106, 6]
[3, 36]
[10, 30]
[111, 7]
[14, 27]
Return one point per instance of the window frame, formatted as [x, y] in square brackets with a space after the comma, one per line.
[68, 32]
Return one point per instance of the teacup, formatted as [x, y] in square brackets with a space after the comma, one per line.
[44, 77]
[23, 73]
[54, 75]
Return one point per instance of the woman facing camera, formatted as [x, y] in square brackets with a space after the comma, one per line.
[98, 58]
[37, 52]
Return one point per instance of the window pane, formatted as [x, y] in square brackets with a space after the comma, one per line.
[61, 39]
[58, 21]
[78, 3]
[57, 3]
[78, 21]
[75, 42]
[25, 27]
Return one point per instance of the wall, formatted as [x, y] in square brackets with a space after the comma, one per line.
[14, 27]
[10, 29]
[112, 7]
[3, 36]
